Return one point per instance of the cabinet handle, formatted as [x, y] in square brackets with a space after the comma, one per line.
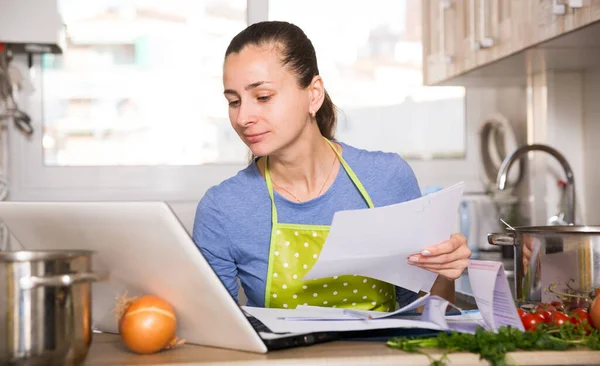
[484, 40]
[444, 5]
[558, 8]
[561, 9]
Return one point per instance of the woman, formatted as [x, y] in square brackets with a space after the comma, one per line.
[267, 224]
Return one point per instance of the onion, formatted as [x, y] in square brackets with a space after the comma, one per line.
[147, 324]
[595, 312]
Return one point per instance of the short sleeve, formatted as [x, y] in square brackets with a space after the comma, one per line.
[211, 237]
[409, 187]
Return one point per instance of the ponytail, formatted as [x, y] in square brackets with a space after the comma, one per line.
[327, 118]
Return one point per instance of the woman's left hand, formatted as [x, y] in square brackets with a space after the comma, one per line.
[449, 258]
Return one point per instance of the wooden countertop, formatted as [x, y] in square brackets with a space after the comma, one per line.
[107, 349]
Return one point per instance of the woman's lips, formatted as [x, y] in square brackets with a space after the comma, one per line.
[255, 137]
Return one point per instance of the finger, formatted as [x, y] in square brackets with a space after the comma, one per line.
[451, 274]
[445, 247]
[462, 252]
[460, 264]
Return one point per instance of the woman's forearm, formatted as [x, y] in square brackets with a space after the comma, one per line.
[444, 287]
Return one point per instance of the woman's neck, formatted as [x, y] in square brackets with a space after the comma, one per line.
[304, 170]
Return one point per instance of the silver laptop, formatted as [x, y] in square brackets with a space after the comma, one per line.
[146, 250]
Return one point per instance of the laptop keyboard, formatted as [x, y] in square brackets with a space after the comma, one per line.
[258, 325]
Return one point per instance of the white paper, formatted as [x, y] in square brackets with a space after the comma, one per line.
[316, 319]
[491, 291]
[489, 287]
[274, 320]
[304, 313]
[377, 242]
[307, 319]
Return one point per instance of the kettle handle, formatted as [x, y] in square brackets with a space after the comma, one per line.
[31, 282]
[502, 239]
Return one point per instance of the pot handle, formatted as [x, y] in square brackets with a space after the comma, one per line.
[502, 239]
[28, 283]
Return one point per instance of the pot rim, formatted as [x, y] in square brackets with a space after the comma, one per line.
[43, 255]
[560, 229]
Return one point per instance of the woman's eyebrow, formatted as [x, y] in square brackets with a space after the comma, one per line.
[247, 87]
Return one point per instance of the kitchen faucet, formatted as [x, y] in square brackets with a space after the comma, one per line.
[569, 189]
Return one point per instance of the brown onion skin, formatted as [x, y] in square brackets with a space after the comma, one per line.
[148, 325]
[595, 312]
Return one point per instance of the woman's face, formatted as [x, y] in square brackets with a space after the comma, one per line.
[267, 108]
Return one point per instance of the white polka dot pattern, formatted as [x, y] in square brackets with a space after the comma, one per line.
[295, 250]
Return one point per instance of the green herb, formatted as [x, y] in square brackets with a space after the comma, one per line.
[493, 347]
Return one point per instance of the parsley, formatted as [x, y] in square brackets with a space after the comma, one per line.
[493, 347]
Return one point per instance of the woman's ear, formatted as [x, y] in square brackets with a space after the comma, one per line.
[316, 93]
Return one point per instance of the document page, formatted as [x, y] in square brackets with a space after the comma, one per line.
[490, 288]
[377, 242]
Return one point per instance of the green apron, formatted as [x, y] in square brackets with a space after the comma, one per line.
[294, 249]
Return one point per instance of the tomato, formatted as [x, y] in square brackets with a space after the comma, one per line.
[558, 305]
[522, 313]
[531, 321]
[545, 310]
[580, 315]
[581, 318]
[559, 318]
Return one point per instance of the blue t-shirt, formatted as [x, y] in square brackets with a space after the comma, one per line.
[232, 226]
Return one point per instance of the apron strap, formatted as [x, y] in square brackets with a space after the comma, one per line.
[353, 176]
[346, 167]
[270, 189]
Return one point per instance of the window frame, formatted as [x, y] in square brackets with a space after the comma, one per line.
[31, 180]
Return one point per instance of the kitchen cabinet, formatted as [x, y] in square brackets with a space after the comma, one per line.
[441, 39]
[552, 18]
[495, 30]
[463, 35]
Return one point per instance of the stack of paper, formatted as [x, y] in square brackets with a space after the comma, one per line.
[488, 284]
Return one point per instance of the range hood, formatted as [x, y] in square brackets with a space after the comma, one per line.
[31, 26]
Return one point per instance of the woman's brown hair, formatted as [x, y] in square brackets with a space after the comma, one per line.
[297, 53]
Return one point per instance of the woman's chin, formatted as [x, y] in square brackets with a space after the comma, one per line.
[260, 149]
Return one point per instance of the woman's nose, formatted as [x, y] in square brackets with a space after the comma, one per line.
[246, 114]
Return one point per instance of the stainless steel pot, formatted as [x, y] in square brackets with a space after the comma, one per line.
[45, 307]
[559, 258]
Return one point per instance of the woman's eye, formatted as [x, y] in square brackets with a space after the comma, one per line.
[264, 98]
[234, 103]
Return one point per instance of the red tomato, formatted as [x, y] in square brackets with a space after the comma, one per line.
[545, 310]
[558, 305]
[581, 318]
[559, 318]
[580, 315]
[521, 312]
[531, 321]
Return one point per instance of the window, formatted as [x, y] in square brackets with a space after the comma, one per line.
[140, 84]
[370, 57]
[134, 108]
